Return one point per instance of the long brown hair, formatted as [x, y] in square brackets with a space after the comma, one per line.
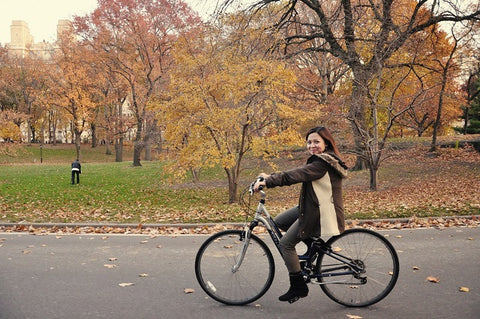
[327, 137]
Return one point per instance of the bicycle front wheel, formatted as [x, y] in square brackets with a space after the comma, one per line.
[220, 279]
[375, 274]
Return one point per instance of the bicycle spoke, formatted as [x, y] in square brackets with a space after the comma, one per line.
[214, 268]
[378, 264]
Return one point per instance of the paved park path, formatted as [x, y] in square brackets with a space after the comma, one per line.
[139, 276]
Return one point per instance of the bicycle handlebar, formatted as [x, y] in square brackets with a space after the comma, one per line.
[251, 190]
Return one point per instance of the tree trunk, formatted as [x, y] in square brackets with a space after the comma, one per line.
[436, 126]
[118, 132]
[119, 149]
[446, 68]
[93, 127]
[148, 150]
[32, 136]
[195, 175]
[357, 117]
[108, 151]
[232, 185]
[232, 191]
[465, 124]
[373, 178]
[29, 132]
[137, 152]
[53, 131]
[77, 143]
[138, 143]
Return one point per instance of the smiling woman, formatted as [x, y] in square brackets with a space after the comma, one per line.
[320, 209]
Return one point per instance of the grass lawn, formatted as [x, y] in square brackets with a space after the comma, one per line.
[410, 184]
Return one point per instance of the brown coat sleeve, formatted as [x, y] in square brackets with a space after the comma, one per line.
[306, 173]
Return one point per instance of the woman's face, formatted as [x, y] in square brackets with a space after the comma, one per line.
[315, 144]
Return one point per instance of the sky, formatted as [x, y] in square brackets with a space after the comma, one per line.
[42, 15]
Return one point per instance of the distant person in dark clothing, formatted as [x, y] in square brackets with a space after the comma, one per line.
[76, 171]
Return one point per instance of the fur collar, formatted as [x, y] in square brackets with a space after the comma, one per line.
[334, 162]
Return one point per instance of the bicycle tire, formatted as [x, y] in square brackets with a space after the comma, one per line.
[380, 263]
[214, 262]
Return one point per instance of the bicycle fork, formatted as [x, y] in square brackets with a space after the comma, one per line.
[274, 233]
[246, 241]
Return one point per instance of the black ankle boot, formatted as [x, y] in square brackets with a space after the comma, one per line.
[298, 288]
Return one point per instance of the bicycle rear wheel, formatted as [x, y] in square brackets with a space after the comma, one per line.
[376, 258]
[214, 268]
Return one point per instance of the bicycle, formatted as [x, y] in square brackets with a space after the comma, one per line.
[357, 268]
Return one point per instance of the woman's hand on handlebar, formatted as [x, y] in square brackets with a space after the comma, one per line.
[260, 183]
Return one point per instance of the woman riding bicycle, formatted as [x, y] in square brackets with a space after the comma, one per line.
[320, 209]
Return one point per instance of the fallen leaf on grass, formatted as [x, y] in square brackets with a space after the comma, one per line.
[126, 284]
[433, 279]
[464, 289]
[189, 290]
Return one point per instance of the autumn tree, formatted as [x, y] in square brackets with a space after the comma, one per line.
[319, 73]
[21, 83]
[227, 99]
[133, 39]
[471, 114]
[470, 61]
[111, 121]
[419, 74]
[446, 67]
[72, 87]
[365, 35]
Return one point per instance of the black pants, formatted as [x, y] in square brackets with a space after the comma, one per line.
[77, 173]
[288, 222]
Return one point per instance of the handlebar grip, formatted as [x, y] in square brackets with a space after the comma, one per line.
[251, 189]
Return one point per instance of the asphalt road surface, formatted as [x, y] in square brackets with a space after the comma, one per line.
[137, 276]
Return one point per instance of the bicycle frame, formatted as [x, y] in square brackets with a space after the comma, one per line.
[261, 216]
[319, 247]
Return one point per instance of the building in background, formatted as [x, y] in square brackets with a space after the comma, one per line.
[22, 42]
[22, 45]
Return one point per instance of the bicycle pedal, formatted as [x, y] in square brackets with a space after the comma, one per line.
[293, 299]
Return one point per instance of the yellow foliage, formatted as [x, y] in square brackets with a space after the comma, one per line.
[10, 131]
[224, 103]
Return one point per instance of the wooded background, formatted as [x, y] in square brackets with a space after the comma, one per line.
[248, 82]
